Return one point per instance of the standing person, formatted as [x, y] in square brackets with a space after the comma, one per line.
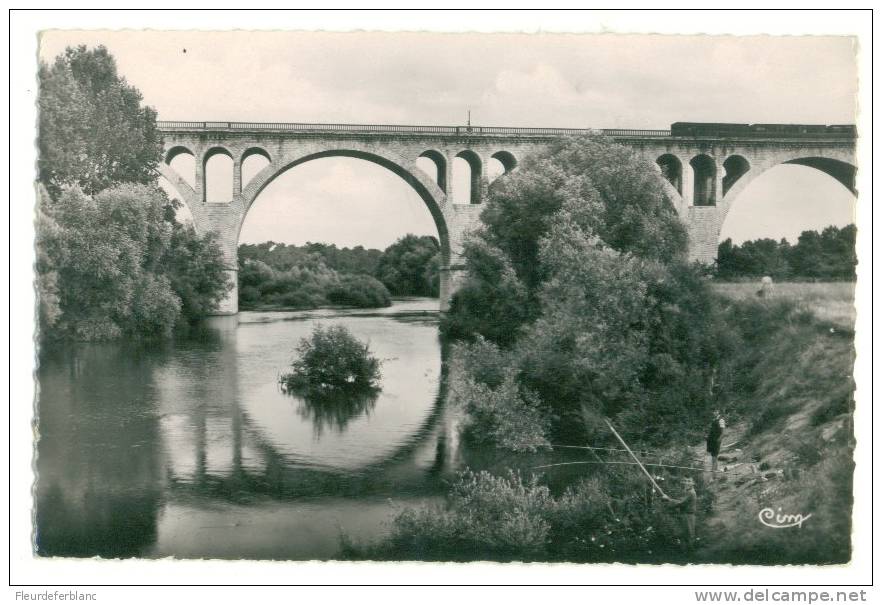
[687, 506]
[715, 440]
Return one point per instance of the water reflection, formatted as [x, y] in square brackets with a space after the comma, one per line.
[99, 467]
[335, 410]
[174, 448]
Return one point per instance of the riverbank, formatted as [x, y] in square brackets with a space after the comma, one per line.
[792, 438]
[394, 301]
[787, 457]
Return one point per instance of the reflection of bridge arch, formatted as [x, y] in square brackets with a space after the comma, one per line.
[281, 478]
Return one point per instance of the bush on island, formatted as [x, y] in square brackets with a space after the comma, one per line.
[332, 360]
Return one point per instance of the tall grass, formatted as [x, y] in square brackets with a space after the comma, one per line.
[831, 302]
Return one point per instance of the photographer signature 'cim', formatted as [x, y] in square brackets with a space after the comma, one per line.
[777, 520]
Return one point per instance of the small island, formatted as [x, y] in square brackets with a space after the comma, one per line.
[332, 362]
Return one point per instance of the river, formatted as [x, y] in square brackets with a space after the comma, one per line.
[188, 448]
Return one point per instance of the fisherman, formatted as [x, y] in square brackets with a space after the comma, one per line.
[715, 440]
[687, 506]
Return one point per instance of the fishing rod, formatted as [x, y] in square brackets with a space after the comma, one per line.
[689, 468]
[637, 460]
[615, 449]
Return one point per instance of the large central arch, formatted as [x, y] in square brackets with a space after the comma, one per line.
[429, 191]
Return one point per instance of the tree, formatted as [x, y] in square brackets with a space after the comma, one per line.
[764, 256]
[93, 131]
[195, 268]
[118, 264]
[609, 190]
[727, 263]
[303, 277]
[829, 254]
[410, 266]
[580, 272]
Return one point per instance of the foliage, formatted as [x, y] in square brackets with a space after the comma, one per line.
[828, 255]
[579, 271]
[610, 192]
[313, 275]
[306, 285]
[493, 302]
[118, 264]
[302, 277]
[93, 131]
[410, 266]
[506, 416]
[283, 257]
[332, 360]
[505, 518]
[195, 268]
[361, 291]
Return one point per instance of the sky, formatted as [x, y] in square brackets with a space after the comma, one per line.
[554, 80]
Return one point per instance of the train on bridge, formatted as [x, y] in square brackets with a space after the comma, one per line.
[723, 130]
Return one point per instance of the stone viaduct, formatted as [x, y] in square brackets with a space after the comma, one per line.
[704, 174]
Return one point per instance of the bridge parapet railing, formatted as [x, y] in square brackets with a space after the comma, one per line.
[401, 128]
[468, 131]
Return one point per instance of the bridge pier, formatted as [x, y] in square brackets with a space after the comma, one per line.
[229, 304]
[703, 225]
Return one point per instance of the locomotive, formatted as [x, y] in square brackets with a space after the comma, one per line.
[726, 130]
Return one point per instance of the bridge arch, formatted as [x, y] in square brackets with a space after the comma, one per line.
[186, 192]
[252, 151]
[672, 169]
[475, 172]
[507, 159]
[429, 191]
[735, 166]
[217, 185]
[440, 162]
[175, 151]
[704, 177]
[842, 171]
[251, 162]
[838, 164]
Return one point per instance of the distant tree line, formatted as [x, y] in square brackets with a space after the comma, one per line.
[112, 260]
[315, 274]
[828, 255]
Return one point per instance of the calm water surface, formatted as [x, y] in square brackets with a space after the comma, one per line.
[190, 449]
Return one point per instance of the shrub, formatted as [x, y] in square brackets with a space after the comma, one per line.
[507, 518]
[361, 291]
[332, 360]
[507, 416]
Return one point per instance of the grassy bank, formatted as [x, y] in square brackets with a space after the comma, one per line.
[827, 301]
[792, 402]
[787, 394]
